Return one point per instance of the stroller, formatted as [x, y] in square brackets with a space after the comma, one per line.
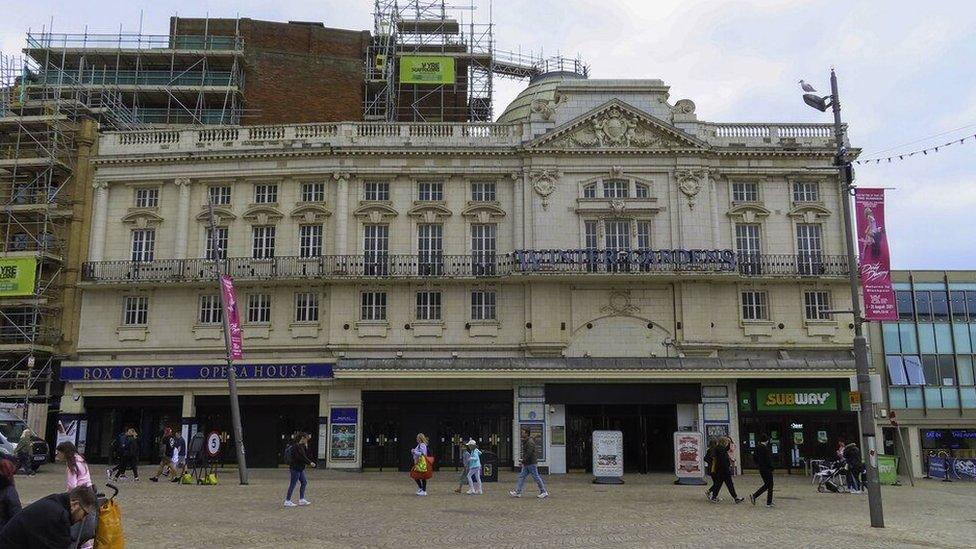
[828, 478]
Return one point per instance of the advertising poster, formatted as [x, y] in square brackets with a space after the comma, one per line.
[608, 454]
[535, 433]
[688, 457]
[342, 442]
[716, 430]
[425, 69]
[17, 276]
[232, 314]
[872, 243]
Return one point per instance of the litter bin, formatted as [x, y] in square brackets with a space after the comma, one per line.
[888, 469]
[489, 467]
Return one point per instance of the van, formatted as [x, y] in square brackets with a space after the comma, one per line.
[11, 428]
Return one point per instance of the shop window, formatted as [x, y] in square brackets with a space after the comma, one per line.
[957, 301]
[313, 192]
[259, 309]
[905, 305]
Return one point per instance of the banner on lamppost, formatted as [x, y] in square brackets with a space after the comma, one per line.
[872, 242]
[236, 339]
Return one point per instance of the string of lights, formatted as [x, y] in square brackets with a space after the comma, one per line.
[923, 152]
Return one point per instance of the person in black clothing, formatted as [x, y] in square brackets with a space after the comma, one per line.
[128, 454]
[297, 457]
[764, 462]
[166, 445]
[722, 468]
[709, 457]
[9, 499]
[852, 455]
[46, 523]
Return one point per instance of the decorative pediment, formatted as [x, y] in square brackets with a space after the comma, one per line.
[221, 215]
[747, 212]
[310, 213]
[375, 212]
[142, 217]
[262, 214]
[483, 212]
[617, 125]
[430, 212]
[809, 212]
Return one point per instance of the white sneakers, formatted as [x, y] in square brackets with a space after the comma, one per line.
[543, 495]
[290, 503]
[422, 493]
[304, 501]
[515, 494]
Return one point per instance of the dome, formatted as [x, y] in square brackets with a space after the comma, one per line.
[541, 87]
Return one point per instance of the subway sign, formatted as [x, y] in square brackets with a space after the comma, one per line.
[796, 400]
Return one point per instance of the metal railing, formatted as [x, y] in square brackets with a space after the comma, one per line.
[125, 41]
[449, 266]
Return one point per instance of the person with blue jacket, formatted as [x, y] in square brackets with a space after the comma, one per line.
[474, 469]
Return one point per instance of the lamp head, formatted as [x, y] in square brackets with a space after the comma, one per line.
[815, 101]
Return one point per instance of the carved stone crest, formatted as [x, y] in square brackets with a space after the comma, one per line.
[617, 205]
[614, 127]
[690, 184]
[544, 184]
[620, 304]
[547, 107]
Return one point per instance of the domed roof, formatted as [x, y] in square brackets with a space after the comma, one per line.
[541, 87]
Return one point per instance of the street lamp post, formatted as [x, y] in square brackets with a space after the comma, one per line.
[868, 432]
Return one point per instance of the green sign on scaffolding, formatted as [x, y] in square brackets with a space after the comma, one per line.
[417, 69]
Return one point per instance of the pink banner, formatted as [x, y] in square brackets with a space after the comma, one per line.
[879, 298]
[233, 318]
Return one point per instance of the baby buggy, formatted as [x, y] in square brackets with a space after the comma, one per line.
[828, 478]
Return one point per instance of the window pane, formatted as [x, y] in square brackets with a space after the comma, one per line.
[896, 398]
[890, 333]
[913, 367]
[947, 370]
[957, 300]
[913, 398]
[940, 306]
[909, 342]
[971, 304]
[933, 397]
[896, 370]
[968, 395]
[926, 338]
[960, 333]
[905, 304]
[943, 338]
[930, 367]
[923, 304]
[964, 366]
[950, 397]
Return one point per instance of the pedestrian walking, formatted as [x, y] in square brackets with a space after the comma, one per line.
[166, 445]
[764, 462]
[530, 466]
[297, 457]
[722, 467]
[709, 460]
[179, 457]
[9, 498]
[47, 522]
[24, 451]
[420, 472]
[128, 455]
[852, 455]
[474, 469]
[463, 478]
[77, 473]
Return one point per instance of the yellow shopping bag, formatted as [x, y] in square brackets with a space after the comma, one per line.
[108, 533]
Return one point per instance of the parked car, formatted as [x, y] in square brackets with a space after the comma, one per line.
[11, 428]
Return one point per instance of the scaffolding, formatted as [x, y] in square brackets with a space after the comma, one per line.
[403, 28]
[161, 79]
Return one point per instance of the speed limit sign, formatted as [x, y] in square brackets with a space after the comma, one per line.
[213, 443]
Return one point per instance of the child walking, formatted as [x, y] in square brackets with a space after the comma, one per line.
[474, 468]
[463, 478]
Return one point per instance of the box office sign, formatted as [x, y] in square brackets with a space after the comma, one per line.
[197, 372]
[422, 69]
[796, 400]
[17, 276]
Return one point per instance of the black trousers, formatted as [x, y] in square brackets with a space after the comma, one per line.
[421, 483]
[767, 478]
[725, 479]
[127, 462]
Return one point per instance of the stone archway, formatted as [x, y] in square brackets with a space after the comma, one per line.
[619, 336]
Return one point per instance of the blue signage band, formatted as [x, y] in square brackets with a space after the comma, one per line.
[195, 372]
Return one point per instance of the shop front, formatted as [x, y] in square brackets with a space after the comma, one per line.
[804, 420]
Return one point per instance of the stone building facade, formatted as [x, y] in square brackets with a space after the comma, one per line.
[597, 259]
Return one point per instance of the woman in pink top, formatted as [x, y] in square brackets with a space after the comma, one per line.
[77, 472]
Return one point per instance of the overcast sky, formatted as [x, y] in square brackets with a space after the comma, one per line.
[907, 73]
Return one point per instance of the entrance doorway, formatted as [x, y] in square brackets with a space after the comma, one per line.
[392, 419]
[648, 434]
[109, 416]
[794, 439]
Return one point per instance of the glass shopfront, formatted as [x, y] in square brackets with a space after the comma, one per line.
[804, 420]
[957, 443]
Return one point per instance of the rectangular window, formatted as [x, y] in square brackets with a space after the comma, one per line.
[923, 306]
[642, 191]
[143, 244]
[754, 305]
[896, 370]
[147, 197]
[373, 306]
[376, 249]
[483, 248]
[217, 247]
[211, 311]
[589, 191]
[809, 247]
[971, 304]
[483, 305]
[310, 240]
[749, 246]
[428, 305]
[313, 192]
[816, 305]
[376, 190]
[957, 300]
[745, 192]
[259, 309]
[429, 191]
[430, 247]
[589, 235]
[616, 188]
[263, 242]
[483, 192]
[940, 306]
[265, 194]
[306, 307]
[617, 234]
[644, 235]
[905, 305]
[136, 311]
[220, 195]
[806, 191]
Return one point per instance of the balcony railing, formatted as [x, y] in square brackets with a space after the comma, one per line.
[453, 266]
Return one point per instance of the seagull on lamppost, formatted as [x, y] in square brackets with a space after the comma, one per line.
[807, 87]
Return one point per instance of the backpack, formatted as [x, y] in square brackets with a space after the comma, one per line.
[289, 454]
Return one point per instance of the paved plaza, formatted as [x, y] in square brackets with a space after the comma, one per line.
[381, 510]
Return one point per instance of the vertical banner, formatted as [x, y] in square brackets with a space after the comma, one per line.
[233, 318]
[872, 243]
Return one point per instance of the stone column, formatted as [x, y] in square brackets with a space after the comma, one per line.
[99, 222]
[342, 212]
[182, 218]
